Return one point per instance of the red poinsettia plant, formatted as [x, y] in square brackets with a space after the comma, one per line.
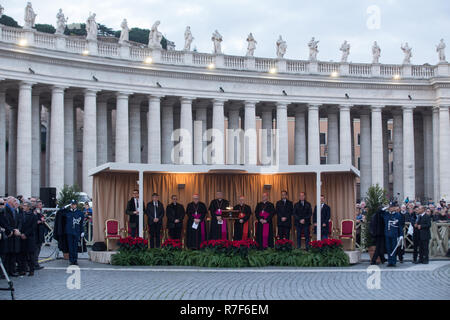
[284, 245]
[229, 247]
[326, 244]
[172, 244]
[130, 243]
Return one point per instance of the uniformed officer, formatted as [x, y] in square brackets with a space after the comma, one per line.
[393, 231]
[74, 230]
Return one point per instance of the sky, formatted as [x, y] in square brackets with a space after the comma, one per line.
[390, 22]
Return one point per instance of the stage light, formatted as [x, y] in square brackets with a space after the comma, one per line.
[284, 93]
[211, 66]
[148, 60]
[268, 186]
[273, 70]
[221, 89]
[95, 79]
[334, 74]
[23, 42]
[396, 77]
[31, 70]
[85, 52]
[409, 96]
[181, 185]
[347, 96]
[159, 85]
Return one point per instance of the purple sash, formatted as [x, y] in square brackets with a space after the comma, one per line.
[265, 230]
[202, 225]
[224, 225]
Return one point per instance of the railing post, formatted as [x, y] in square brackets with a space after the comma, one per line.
[219, 61]
[92, 46]
[442, 69]
[281, 65]
[29, 36]
[406, 70]
[344, 69]
[313, 67]
[188, 58]
[250, 63]
[375, 70]
[124, 51]
[60, 42]
[156, 55]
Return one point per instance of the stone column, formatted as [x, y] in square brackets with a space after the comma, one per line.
[233, 136]
[250, 133]
[2, 142]
[345, 135]
[122, 133]
[282, 134]
[218, 132]
[266, 135]
[352, 133]
[90, 138]
[166, 131]
[36, 143]
[144, 134]
[428, 154]
[57, 139]
[300, 137]
[436, 147]
[419, 156]
[313, 135]
[47, 145]
[333, 137]
[398, 155]
[102, 130]
[24, 134]
[377, 146]
[409, 187]
[186, 131]
[365, 161]
[384, 120]
[12, 151]
[200, 143]
[69, 140]
[444, 152]
[154, 129]
[135, 130]
[109, 134]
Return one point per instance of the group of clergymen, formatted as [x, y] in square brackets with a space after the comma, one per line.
[196, 212]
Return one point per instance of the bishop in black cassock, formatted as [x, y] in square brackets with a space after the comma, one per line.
[196, 224]
[218, 228]
[264, 228]
[241, 225]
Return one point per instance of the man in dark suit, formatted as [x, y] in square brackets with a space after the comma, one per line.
[424, 225]
[12, 223]
[284, 209]
[133, 211]
[325, 215]
[414, 218]
[155, 214]
[175, 215]
[28, 243]
[302, 219]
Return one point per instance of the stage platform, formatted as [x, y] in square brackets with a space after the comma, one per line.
[105, 256]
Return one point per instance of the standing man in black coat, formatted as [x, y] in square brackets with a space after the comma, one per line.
[424, 225]
[28, 243]
[218, 228]
[264, 212]
[12, 223]
[133, 211]
[376, 229]
[175, 215]
[40, 233]
[325, 215]
[414, 218]
[284, 209]
[155, 214]
[302, 220]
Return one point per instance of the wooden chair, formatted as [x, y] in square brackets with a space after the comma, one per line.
[112, 231]
[348, 231]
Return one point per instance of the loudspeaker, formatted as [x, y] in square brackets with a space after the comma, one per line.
[48, 197]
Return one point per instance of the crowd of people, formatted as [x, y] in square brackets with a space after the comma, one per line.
[387, 227]
[286, 212]
[22, 233]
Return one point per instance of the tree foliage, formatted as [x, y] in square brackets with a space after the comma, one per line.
[8, 21]
[47, 28]
[67, 194]
[375, 199]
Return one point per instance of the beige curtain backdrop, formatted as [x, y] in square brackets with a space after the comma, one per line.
[111, 191]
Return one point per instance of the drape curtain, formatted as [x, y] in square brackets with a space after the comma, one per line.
[111, 191]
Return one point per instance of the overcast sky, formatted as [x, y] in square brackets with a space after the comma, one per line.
[390, 22]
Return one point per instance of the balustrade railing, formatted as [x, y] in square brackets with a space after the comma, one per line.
[136, 52]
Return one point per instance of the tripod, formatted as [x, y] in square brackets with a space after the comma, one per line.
[10, 284]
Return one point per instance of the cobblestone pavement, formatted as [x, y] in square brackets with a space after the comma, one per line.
[98, 281]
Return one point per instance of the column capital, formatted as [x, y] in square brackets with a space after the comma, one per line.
[123, 94]
[26, 84]
[313, 106]
[90, 92]
[345, 106]
[219, 101]
[443, 106]
[282, 105]
[250, 103]
[408, 108]
[154, 98]
[376, 107]
[186, 100]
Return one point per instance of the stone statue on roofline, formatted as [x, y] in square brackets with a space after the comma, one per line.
[407, 52]
[1, 10]
[376, 53]
[217, 41]
[188, 38]
[281, 47]
[313, 49]
[155, 37]
[440, 49]
[251, 45]
[30, 16]
[61, 21]
[345, 48]
[91, 28]
[124, 33]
